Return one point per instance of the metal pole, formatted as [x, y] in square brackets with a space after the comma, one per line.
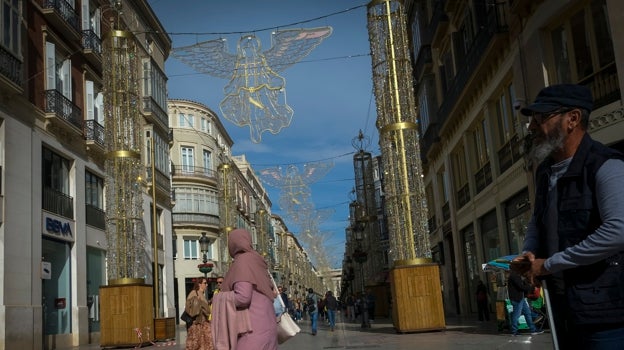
[551, 320]
[155, 228]
[364, 302]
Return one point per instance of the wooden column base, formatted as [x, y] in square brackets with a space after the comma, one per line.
[417, 298]
[124, 309]
[164, 328]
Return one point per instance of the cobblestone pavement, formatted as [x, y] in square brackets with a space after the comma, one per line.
[464, 334]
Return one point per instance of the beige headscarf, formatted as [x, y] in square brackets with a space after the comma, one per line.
[248, 265]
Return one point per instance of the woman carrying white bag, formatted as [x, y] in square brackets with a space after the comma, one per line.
[286, 326]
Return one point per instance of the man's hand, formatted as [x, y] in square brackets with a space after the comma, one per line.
[538, 269]
[527, 265]
[526, 256]
[522, 263]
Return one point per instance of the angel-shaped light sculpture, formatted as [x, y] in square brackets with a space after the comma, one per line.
[295, 192]
[255, 94]
[296, 201]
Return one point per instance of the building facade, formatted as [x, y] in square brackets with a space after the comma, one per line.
[215, 192]
[200, 145]
[52, 154]
[476, 63]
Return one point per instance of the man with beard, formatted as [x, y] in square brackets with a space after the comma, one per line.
[575, 237]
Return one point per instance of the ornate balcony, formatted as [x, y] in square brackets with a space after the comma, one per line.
[62, 111]
[200, 219]
[94, 136]
[92, 47]
[189, 171]
[163, 183]
[154, 113]
[62, 15]
[10, 67]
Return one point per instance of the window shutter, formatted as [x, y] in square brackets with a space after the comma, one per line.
[50, 66]
[66, 78]
[90, 101]
[86, 19]
[99, 108]
[96, 23]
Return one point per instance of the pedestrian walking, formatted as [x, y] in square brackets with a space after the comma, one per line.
[199, 334]
[332, 305]
[244, 316]
[312, 308]
[351, 307]
[518, 288]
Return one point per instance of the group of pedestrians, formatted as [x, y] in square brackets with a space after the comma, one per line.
[360, 306]
[240, 313]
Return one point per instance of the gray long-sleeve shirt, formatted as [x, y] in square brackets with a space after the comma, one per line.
[606, 240]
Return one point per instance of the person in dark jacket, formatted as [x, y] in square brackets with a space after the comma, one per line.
[332, 305]
[312, 307]
[285, 299]
[518, 288]
[575, 237]
[482, 302]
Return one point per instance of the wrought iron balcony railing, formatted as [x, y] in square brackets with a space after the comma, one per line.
[91, 41]
[58, 203]
[510, 153]
[96, 217]
[94, 131]
[483, 177]
[160, 116]
[65, 10]
[463, 195]
[64, 108]
[10, 67]
[189, 170]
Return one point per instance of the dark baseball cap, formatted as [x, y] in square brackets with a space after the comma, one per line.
[554, 97]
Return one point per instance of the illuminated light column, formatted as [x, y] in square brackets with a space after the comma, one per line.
[398, 132]
[227, 208]
[262, 234]
[127, 250]
[414, 278]
[125, 230]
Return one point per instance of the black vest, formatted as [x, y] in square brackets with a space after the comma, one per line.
[595, 293]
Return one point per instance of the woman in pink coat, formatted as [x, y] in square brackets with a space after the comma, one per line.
[247, 284]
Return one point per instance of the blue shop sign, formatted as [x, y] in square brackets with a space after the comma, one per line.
[58, 227]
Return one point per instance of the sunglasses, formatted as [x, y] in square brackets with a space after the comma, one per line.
[541, 118]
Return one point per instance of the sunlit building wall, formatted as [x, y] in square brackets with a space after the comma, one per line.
[475, 64]
[52, 159]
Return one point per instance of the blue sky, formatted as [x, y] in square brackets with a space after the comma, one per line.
[330, 90]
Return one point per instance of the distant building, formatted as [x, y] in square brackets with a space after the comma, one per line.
[200, 144]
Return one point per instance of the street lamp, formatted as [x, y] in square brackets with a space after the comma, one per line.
[360, 256]
[204, 245]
